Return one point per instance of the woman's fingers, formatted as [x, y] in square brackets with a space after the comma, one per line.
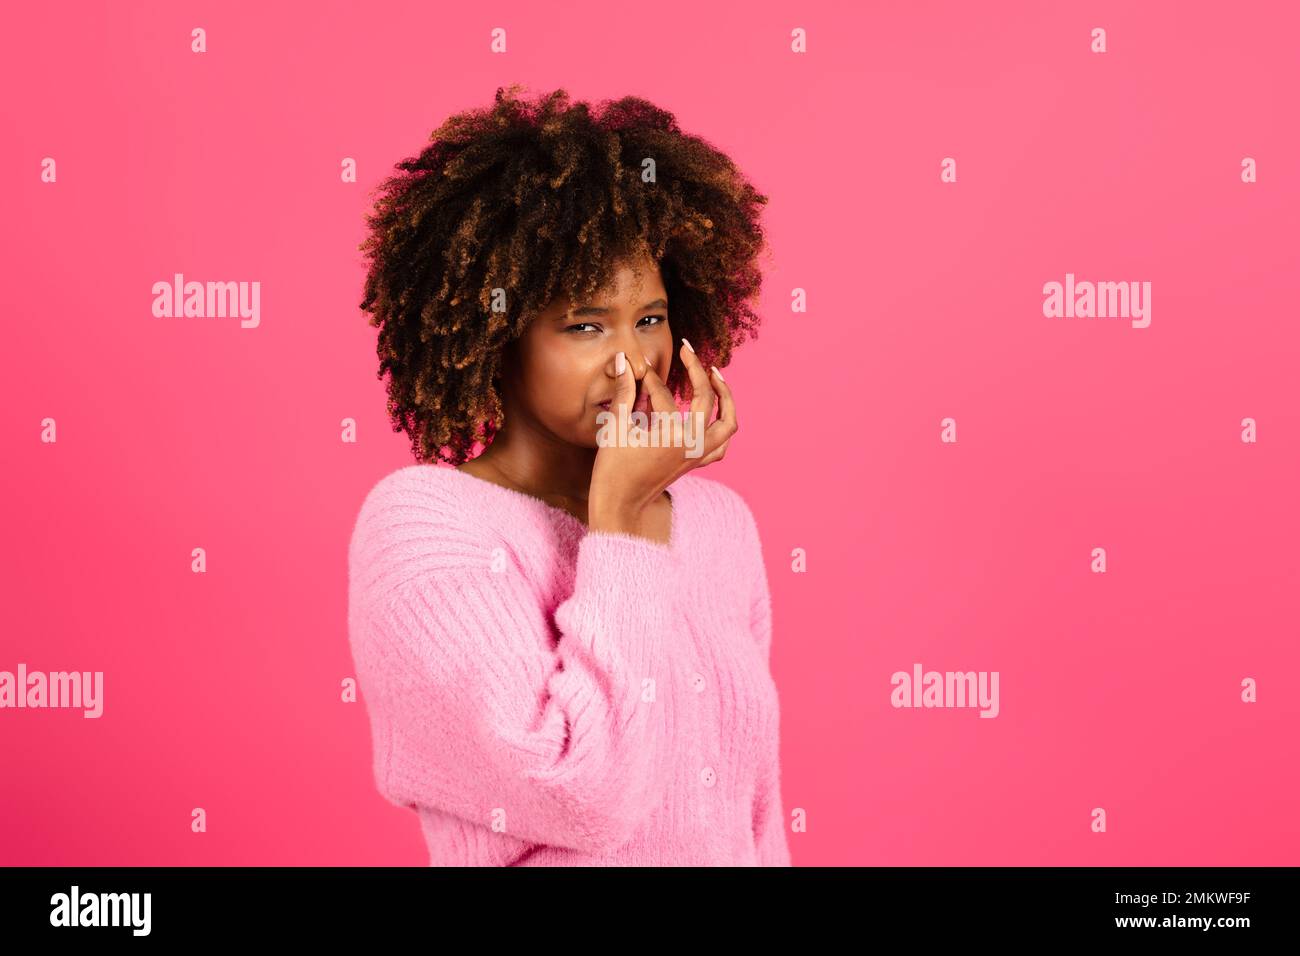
[702, 395]
[624, 395]
[716, 455]
[624, 386]
[661, 399]
[720, 432]
[707, 387]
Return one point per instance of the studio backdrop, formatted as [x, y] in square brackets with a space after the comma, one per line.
[1020, 424]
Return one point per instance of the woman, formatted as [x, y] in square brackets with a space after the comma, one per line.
[562, 642]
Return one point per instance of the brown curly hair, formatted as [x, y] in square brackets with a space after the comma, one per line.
[540, 200]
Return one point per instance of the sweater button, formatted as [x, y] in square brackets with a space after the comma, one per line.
[697, 681]
[708, 777]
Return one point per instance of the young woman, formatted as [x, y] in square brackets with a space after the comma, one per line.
[562, 642]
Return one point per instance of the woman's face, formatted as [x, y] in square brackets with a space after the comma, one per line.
[563, 365]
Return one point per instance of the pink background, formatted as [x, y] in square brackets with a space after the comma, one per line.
[1118, 690]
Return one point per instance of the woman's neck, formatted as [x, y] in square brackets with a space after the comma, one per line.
[544, 467]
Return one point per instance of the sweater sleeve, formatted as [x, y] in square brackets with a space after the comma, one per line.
[770, 821]
[769, 815]
[481, 708]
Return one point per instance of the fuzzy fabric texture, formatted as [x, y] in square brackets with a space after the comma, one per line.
[546, 695]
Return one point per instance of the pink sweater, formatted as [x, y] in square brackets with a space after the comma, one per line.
[545, 695]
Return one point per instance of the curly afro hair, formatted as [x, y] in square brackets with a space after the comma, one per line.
[525, 202]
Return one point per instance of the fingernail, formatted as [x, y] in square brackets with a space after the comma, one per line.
[689, 346]
[716, 372]
[620, 363]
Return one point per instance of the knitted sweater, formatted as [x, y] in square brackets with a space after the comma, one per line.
[546, 695]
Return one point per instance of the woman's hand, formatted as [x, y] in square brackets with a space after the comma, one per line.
[627, 478]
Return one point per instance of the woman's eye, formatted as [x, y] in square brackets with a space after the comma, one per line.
[586, 328]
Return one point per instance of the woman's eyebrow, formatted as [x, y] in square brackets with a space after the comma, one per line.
[604, 310]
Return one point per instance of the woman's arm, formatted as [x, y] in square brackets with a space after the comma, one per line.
[769, 816]
[476, 711]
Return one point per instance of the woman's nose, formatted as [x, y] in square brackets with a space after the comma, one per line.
[637, 361]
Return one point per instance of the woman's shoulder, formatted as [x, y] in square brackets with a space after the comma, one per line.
[423, 521]
[422, 505]
[716, 507]
[433, 492]
[418, 504]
